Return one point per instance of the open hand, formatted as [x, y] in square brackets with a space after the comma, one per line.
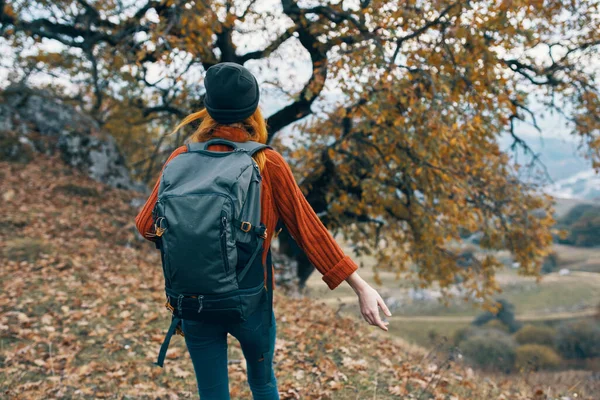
[370, 301]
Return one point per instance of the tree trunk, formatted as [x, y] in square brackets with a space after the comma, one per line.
[289, 247]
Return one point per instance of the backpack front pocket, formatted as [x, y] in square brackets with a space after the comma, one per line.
[199, 247]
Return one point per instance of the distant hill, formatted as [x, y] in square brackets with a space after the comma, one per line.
[563, 205]
[572, 176]
[584, 185]
[582, 224]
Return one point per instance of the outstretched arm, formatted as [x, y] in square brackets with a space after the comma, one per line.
[305, 226]
[319, 245]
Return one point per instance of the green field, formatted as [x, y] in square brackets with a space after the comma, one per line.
[578, 259]
[553, 299]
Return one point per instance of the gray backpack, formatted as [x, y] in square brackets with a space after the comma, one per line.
[208, 228]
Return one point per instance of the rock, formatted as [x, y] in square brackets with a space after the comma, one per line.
[32, 120]
[564, 271]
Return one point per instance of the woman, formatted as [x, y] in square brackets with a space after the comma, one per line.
[232, 113]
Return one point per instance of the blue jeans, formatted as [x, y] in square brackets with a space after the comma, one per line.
[207, 345]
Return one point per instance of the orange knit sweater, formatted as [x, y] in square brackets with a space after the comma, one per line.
[280, 198]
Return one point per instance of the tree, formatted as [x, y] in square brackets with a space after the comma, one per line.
[503, 312]
[406, 158]
[582, 226]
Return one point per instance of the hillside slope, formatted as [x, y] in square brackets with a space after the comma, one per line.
[82, 313]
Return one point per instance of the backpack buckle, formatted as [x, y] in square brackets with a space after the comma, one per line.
[159, 229]
[246, 226]
[169, 306]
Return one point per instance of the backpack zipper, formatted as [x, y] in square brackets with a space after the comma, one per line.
[226, 196]
[154, 210]
[200, 301]
[224, 241]
[258, 175]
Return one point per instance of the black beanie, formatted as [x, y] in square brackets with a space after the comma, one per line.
[231, 93]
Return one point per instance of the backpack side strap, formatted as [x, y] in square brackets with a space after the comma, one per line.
[163, 348]
[260, 231]
[270, 286]
[261, 234]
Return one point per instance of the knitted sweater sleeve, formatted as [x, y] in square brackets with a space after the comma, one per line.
[305, 226]
[143, 221]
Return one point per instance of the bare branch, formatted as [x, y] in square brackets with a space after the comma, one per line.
[266, 52]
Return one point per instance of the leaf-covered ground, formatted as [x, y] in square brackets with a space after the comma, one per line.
[82, 315]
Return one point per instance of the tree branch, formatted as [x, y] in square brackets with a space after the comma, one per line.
[164, 108]
[318, 55]
[266, 52]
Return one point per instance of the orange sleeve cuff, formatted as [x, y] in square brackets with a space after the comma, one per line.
[340, 271]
